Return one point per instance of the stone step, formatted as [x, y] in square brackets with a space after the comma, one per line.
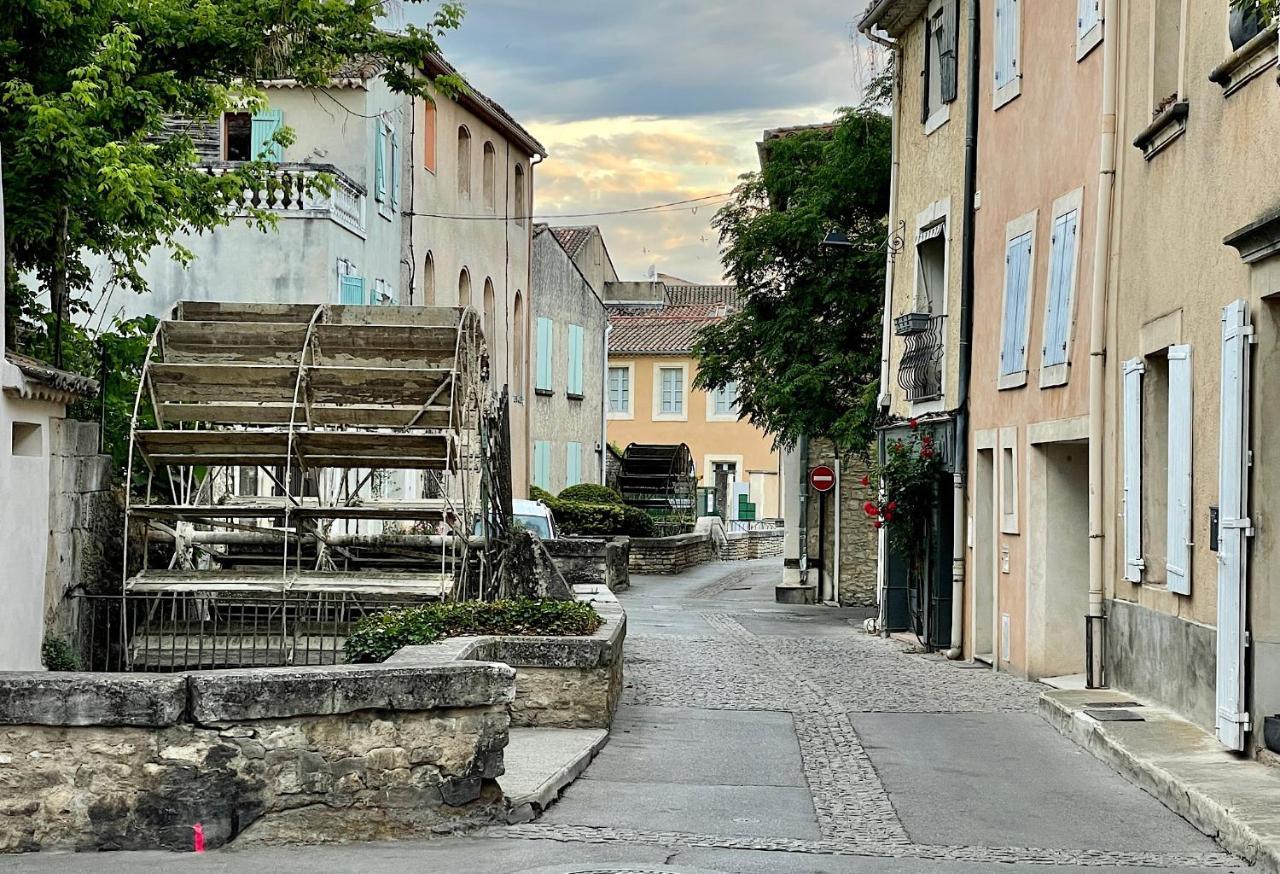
[541, 763]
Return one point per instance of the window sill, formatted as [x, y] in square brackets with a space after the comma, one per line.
[670, 417]
[386, 210]
[1086, 43]
[544, 392]
[1166, 127]
[1247, 63]
[940, 117]
[726, 417]
[1005, 93]
[1054, 375]
[1012, 380]
[573, 397]
[626, 416]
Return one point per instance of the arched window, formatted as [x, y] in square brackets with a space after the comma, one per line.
[490, 157]
[490, 319]
[519, 195]
[464, 288]
[429, 281]
[464, 162]
[429, 135]
[518, 352]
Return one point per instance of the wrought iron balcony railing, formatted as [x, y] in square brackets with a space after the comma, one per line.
[920, 370]
[291, 194]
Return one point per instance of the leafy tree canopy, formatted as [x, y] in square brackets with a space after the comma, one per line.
[804, 349]
[90, 168]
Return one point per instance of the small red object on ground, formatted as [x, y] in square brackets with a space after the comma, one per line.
[198, 831]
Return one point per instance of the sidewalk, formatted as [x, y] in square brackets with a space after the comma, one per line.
[1234, 800]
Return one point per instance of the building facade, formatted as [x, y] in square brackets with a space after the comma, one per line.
[651, 398]
[567, 429]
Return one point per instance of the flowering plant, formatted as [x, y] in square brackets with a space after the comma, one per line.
[903, 491]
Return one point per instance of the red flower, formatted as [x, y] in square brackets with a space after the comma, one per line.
[927, 440]
[878, 524]
[914, 423]
[871, 509]
[893, 505]
[926, 452]
[866, 481]
[888, 516]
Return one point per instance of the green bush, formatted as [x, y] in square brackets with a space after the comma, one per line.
[376, 638]
[591, 493]
[57, 655]
[540, 494]
[639, 523]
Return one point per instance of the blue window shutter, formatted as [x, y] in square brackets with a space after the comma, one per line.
[1062, 270]
[1013, 354]
[1178, 521]
[542, 375]
[575, 360]
[379, 163]
[351, 290]
[395, 169]
[262, 128]
[542, 464]
[573, 465]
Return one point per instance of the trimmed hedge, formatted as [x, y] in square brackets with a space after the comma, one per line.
[588, 520]
[537, 493]
[376, 638]
[591, 493]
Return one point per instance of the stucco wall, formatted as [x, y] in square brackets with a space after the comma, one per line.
[561, 293]
[709, 440]
[1172, 214]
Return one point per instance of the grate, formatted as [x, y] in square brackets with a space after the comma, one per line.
[1115, 714]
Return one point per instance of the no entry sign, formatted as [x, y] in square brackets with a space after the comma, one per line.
[822, 478]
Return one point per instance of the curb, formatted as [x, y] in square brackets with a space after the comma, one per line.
[527, 807]
[1203, 811]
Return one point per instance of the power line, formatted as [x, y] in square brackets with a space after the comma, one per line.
[674, 206]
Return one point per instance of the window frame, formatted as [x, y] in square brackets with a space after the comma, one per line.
[627, 414]
[575, 379]
[1015, 230]
[683, 414]
[466, 167]
[1007, 474]
[1059, 373]
[430, 135]
[548, 388]
[713, 411]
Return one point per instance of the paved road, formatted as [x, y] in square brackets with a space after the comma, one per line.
[759, 738]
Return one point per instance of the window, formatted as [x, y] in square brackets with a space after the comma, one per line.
[542, 464]
[1154, 437]
[931, 269]
[247, 482]
[380, 161]
[940, 52]
[573, 464]
[393, 161]
[1060, 301]
[619, 389]
[1008, 74]
[429, 121]
[1017, 294]
[518, 359]
[1088, 26]
[723, 402]
[237, 136]
[489, 188]
[1133, 492]
[464, 288]
[671, 391]
[574, 386]
[1008, 480]
[519, 195]
[429, 280]
[464, 162]
[386, 166]
[382, 295]
[490, 319]
[351, 290]
[542, 374]
[1166, 54]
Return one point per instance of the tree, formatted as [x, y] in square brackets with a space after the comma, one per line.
[86, 88]
[804, 348]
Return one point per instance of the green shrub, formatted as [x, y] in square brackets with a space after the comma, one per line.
[600, 520]
[376, 638]
[540, 494]
[57, 655]
[639, 523]
[591, 493]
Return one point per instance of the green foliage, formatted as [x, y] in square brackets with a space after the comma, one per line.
[908, 481]
[591, 493]
[377, 637]
[804, 349]
[57, 654]
[600, 520]
[1267, 10]
[540, 494]
[86, 87]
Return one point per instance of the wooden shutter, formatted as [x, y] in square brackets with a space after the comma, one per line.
[1013, 355]
[573, 465]
[1006, 67]
[928, 71]
[1178, 562]
[948, 41]
[379, 163]
[1088, 15]
[1133, 563]
[1234, 525]
[395, 169]
[351, 290]
[575, 360]
[1062, 268]
[262, 129]
[542, 373]
[542, 464]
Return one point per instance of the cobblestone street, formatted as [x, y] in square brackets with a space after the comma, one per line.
[759, 738]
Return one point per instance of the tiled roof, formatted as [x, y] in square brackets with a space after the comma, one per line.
[723, 295]
[573, 238]
[436, 65]
[46, 382]
[660, 330]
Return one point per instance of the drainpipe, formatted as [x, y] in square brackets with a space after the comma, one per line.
[1097, 332]
[604, 408]
[835, 576]
[803, 486]
[959, 528]
[887, 317]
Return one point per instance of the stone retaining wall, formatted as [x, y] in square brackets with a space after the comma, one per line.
[134, 761]
[593, 561]
[670, 555]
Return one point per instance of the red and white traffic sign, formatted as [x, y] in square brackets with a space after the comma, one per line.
[822, 478]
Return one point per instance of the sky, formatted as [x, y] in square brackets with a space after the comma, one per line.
[644, 103]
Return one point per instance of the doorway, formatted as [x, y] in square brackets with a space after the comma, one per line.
[1058, 609]
[984, 557]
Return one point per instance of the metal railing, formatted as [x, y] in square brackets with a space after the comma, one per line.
[754, 525]
[186, 631]
[292, 192]
[920, 370]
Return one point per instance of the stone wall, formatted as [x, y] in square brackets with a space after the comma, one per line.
[858, 541]
[670, 555]
[85, 521]
[113, 761]
[766, 543]
[593, 561]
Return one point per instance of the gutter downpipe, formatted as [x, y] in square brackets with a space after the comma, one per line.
[959, 510]
[604, 406]
[1097, 335]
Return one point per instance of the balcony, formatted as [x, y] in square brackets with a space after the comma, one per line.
[343, 203]
[920, 370]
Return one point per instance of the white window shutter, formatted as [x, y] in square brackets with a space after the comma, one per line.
[1178, 530]
[395, 169]
[1233, 525]
[1133, 563]
[379, 162]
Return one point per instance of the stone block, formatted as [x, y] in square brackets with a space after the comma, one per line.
[83, 699]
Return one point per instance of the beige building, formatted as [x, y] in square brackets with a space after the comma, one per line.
[1193, 614]
[1037, 177]
[651, 398]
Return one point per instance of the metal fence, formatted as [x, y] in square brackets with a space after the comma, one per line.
[185, 631]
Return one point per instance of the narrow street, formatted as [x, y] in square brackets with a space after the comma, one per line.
[760, 738]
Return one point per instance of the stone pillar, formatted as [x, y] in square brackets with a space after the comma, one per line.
[794, 588]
